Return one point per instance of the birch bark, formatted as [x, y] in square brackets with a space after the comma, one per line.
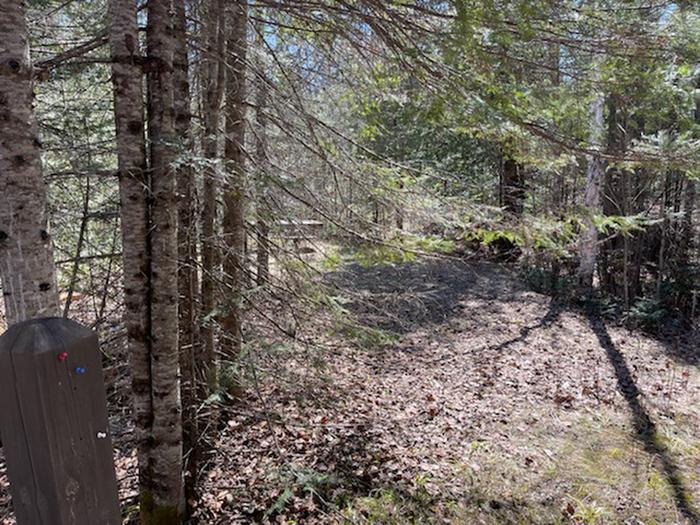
[27, 268]
[167, 491]
[134, 195]
[588, 248]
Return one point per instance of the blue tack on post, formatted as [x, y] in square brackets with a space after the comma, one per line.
[80, 370]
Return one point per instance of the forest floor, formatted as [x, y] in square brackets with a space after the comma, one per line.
[489, 404]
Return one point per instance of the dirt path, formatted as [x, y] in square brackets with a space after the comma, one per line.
[541, 409]
[493, 405]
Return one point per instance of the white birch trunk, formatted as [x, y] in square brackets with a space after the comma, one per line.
[167, 494]
[588, 248]
[134, 194]
[27, 268]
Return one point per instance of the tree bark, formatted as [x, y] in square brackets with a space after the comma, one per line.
[513, 185]
[27, 268]
[661, 260]
[188, 278]
[134, 192]
[689, 197]
[78, 249]
[688, 229]
[615, 271]
[214, 76]
[236, 185]
[166, 505]
[588, 249]
[263, 227]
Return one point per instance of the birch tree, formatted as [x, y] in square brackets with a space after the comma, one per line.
[595, 175]
[166, 504]
[149, 238]
[134, 213]
[27, 268]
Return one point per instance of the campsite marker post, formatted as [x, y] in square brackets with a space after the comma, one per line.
[53, 419]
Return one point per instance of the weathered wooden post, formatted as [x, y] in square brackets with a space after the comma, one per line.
[53, 418]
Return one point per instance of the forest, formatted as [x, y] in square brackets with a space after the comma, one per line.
[381, 262]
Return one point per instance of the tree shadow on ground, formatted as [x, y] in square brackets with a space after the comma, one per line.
[490, 357]
[553, 313]
[401, 298]
[404, 298]
[643, 424]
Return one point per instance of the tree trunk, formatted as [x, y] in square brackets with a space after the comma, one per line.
[235, 193]
[588, 249]
[688, 229]
[661, 261]
[135, 222]
[688, 226]
[166, 505]
[614, 269]
[399, 218]
[263, 227]
[399, 212]
[214, 75]
[187, 275]
[82, 233]
[27, 268]
[263, 255]
[513, 185]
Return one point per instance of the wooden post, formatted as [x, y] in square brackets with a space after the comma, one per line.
[55, 431]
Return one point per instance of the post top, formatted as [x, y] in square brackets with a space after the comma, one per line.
[42, 335]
